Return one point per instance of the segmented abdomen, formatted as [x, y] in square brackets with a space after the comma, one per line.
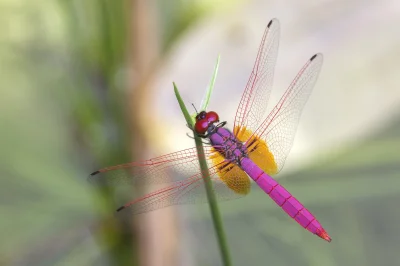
[284, 199]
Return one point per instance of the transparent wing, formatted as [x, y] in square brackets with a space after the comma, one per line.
[157, 170]
[252, 105]
[192, 190]
[279, 128]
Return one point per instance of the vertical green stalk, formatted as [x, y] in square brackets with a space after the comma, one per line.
[215, 214]
[206, 99]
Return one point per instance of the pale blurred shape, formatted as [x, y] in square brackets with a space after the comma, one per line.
[357, 91]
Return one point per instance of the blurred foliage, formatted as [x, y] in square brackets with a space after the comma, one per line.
[64, 113]
[64, 67]
[178, 15]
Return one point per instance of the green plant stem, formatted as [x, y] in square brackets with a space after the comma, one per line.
[212, 202]
[210, 88]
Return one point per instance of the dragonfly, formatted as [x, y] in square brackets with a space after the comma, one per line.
[255, 149]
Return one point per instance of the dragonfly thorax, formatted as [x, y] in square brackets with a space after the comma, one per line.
[225, 142]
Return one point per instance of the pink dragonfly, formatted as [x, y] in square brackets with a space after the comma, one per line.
[252, 149]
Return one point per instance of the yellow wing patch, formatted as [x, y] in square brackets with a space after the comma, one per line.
[231, 174]
[242, 133]
[258, 150]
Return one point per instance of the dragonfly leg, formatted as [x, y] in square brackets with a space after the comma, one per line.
[202, 140]
[222, 124]
[187, 134]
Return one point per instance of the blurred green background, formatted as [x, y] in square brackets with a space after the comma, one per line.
[88, 84]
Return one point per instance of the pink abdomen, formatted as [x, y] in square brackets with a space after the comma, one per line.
[284, 199]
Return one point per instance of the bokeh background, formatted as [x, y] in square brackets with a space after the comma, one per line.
[88, 84]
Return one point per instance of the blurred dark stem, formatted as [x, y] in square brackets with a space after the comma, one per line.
[96, 61]
[107, 39]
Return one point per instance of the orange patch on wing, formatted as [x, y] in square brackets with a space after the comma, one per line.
[242, 133]
[231, 174]
[258, 150]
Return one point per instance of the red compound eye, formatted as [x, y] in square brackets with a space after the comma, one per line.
[201, 115]
[201, 126]
[204, 120]
[212, 117]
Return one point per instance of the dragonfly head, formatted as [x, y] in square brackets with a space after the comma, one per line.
[204, 121]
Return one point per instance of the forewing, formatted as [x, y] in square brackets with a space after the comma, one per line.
[157, 170]
[252, 105]
[279, 128]
[192, 190]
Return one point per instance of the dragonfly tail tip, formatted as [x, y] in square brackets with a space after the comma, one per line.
[324, 235]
